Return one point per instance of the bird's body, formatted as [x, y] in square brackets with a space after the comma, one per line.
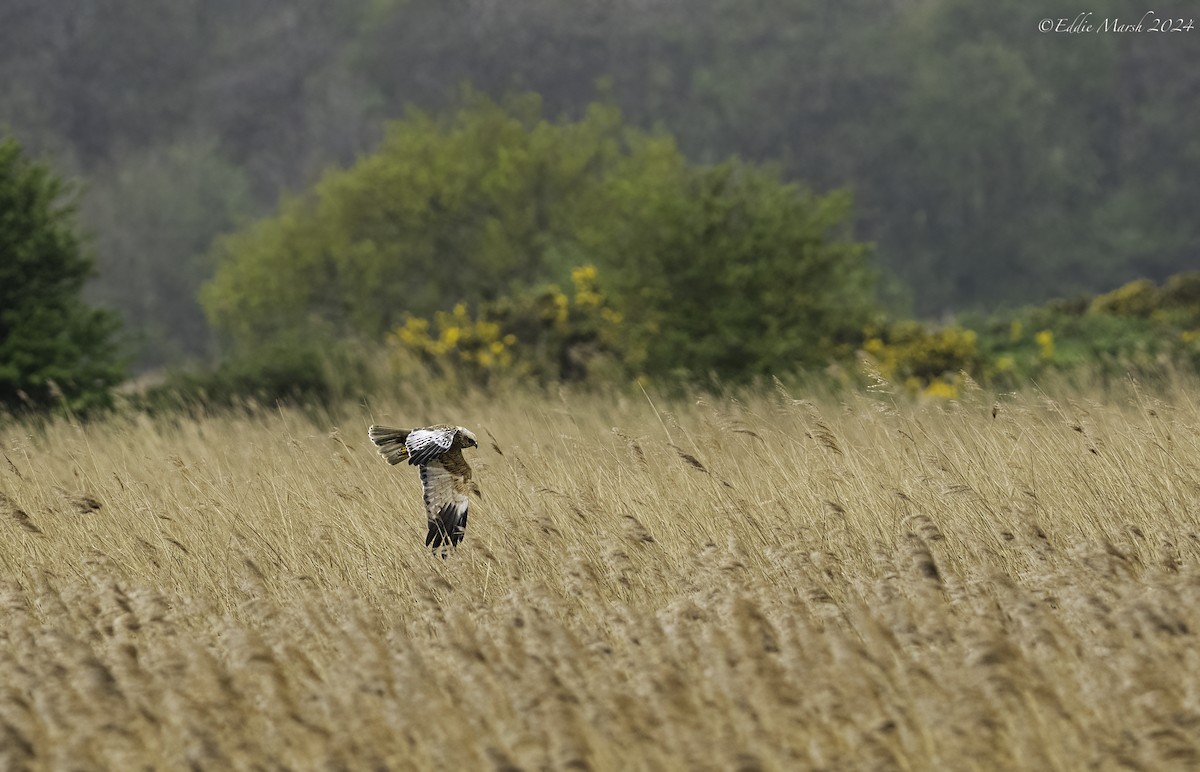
[445, 475]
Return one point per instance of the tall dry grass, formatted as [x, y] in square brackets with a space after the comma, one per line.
[763, 583]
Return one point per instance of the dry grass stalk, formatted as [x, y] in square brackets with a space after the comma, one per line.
[913, 588]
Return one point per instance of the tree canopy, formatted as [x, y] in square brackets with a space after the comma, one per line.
[54, 350]
[722, 269]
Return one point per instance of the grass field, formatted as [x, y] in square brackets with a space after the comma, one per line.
[764, 583]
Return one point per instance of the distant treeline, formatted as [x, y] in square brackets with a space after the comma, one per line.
[990, 164]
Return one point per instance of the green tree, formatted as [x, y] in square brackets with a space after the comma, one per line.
[721, 269]
[728, 270]
[54, 350]
[467, 208]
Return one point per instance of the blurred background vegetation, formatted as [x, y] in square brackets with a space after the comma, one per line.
[277, 194]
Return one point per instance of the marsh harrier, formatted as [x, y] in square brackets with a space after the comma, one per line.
[445, 476]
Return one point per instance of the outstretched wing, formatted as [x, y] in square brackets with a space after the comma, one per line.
[424, 445]
[445, 503]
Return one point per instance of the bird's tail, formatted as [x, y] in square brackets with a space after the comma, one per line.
[390, 442]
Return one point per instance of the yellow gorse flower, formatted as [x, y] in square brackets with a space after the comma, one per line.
[921, 359]
[454, 340]
[939, 389]
[1045, 343]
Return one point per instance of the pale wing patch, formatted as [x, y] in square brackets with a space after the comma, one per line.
[445, 500]
[424, 445]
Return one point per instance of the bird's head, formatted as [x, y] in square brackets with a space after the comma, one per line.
[468, 438]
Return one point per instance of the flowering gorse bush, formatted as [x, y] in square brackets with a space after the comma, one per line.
[543, 334]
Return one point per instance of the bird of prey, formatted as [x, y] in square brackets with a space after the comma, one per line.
[445, 476]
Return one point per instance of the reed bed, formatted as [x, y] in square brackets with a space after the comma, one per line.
[754, 582]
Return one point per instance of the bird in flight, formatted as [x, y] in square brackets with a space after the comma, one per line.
[445, 476]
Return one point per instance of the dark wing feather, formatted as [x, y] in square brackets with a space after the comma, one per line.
[448, 527]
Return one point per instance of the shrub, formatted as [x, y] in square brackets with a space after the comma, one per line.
[1137, 298]
[544, 334]
[722, 269]
[1137, 328]
[728, 270]
[1183, 291]
[472, 207]
[923, 360]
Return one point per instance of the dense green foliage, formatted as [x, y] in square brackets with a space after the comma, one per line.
[465, 208]
[990, 163]
[720, 269]
[727, 270]
[54, 350]
[541, 334]
[1140, 329]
